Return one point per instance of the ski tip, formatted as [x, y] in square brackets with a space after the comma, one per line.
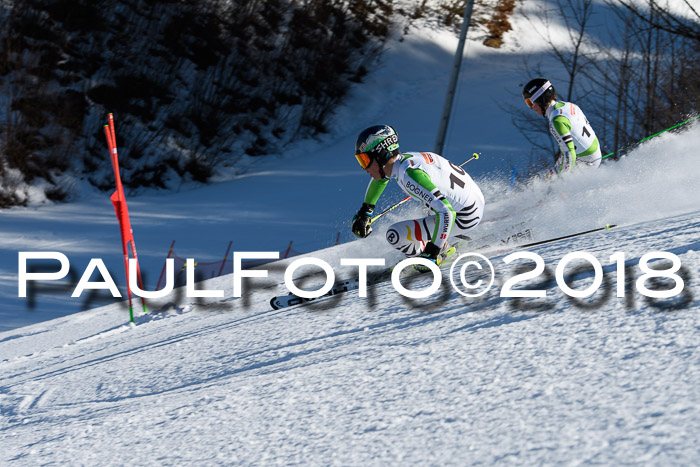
[273, 303]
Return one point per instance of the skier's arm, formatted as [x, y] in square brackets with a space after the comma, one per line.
[361, 221]
[374, 191]
[563, 126]
[445, 214]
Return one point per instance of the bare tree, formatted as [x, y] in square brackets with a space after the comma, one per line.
[640, 80]
[661, 17]
[573, 55]
[576, 17]
[651, 69]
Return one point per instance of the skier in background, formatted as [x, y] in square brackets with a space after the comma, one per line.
[577, 141]
[432, 180]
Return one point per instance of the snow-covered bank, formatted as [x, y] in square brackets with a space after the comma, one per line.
[380, 380]
[308, 194]
[473, 380]
[383, 380]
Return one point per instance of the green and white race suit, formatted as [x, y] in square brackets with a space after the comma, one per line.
[576, 138]
[439, 185]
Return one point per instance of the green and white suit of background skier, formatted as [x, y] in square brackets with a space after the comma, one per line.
[577, 141]
[432, 180]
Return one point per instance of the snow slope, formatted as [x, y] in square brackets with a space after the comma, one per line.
[368, 381]
[386, 380]
[308, 194]
[352, 381]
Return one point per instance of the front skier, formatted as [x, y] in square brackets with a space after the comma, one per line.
[432, 180]
[567, 123]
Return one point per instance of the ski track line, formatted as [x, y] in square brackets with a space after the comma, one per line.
[321, 305]
[387, 326]
[414, 320]
[142, 348]
[205, 330]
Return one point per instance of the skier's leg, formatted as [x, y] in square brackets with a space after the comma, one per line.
[468, 217]
[410, 236]
[592, 160]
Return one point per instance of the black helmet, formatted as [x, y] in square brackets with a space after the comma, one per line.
[539, 91]
[379, 142]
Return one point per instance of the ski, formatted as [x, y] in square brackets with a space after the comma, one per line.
[284, 301]
[519, 235]
[342, 286]
[490, 243]
[556, 239]
[346, 285]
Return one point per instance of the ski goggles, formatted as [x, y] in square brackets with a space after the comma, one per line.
[364, 159]
[530, 101]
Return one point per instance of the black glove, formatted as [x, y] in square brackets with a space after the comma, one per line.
[361, 221]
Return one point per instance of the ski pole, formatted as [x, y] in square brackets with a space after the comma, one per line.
[475, 156]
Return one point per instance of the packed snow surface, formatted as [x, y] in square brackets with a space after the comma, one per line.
[613, 378]
[377, 380]
[387, 380]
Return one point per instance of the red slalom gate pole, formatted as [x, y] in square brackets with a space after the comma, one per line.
[122, 212]
[116, 201]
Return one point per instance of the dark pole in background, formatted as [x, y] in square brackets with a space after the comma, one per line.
[449, 98]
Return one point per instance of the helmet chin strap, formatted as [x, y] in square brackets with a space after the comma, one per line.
[381, 167]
